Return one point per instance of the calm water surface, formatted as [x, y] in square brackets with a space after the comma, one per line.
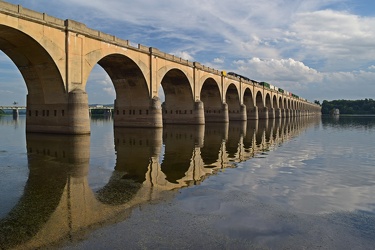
[282, 184]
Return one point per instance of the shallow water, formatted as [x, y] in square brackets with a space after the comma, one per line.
[295, 183]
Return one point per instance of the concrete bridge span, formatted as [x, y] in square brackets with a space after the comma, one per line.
[56, 57]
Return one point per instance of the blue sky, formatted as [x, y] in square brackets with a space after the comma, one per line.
[318, 49]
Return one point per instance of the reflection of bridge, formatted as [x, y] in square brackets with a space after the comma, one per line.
[55, 58]
[58, 203]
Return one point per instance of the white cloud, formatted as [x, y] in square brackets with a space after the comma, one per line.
[287, 70]
[184, 55]
[110, 91]
[342, 39]
[372, 67]
[220, 60]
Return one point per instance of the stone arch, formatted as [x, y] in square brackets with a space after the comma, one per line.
[179, 105]
[251, 109]
[212, 101]
[268, 101]
[132, 101]
[43, 79]
[47, 99]
[259, 100]
[232, 98]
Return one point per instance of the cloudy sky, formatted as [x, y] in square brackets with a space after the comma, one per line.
[318, 49]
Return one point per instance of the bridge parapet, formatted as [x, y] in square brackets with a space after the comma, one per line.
[24, 13]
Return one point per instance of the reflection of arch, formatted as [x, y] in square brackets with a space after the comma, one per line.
[236, 133]
[135, 148]
[180, 142]
[214, 135]
[52, 159]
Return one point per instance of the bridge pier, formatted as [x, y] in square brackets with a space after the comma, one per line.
[15, 114]
[183, 114]
[252, 113]
[278, 113]
[146, 116]
[271, 113]
[263, 113]
[225, 113]
[239, 115]
[287, 113]
[71, 117]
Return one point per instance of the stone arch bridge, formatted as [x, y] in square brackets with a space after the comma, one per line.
[55, 58]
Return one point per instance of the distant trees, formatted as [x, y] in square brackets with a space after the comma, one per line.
[366, 106]
[2, 112]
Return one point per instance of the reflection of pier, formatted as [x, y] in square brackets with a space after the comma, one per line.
[58, 203]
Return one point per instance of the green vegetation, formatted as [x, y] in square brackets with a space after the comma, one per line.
[97, 112]
[2, 112]
[355, 107]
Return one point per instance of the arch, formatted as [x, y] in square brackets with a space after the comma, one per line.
[248, 99]
[178, 106]
[259, 100]
[285, 104]
[43, 79]
[128, 79]
[268, 101]
[251, 109]
[211, 98]
[232, 98]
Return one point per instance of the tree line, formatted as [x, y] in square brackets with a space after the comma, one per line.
[363, 107]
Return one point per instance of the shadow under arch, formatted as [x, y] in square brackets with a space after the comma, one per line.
[132, 105]
[213, 104]
[179, 106]
[42, 77]
[251, 109]
[52, 159]
[232, 98]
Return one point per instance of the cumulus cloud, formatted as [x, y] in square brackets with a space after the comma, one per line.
[184, 55]
[220, 60]
[110, 91]
[342, 39]
[288, 70]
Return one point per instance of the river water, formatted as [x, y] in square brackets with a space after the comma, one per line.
[301, 183]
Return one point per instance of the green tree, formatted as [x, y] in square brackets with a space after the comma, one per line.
[366, 106]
